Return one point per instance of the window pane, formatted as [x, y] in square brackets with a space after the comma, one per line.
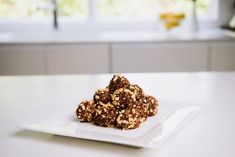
[76, 8]
[121, 9]
[11, 9]
[21, 8]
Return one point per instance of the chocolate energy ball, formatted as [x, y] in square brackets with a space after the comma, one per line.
[85, 111]
[139, 93]
[142, 110]
[152, 104]
[117, 82]
[106, 115]
[128, 119]
[102, 95]
[123, 98]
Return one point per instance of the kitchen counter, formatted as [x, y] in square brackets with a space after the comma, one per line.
[209, 133]
[69, 36]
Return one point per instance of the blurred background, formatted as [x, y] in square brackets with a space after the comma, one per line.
[104, 9]
[110, 36]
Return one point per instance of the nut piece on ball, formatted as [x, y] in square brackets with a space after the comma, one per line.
[139, 93]
[142, 110]
[102, 95]
[106, 115]
[85, 111]
[123, 98]
[152, 104]
[117, 82]
[128, 119]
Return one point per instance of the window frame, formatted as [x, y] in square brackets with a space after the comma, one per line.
[92, 23]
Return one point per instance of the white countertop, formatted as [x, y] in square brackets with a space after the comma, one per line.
[69, 36]
[210, 133]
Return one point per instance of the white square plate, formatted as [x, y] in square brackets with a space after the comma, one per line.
[171, 116]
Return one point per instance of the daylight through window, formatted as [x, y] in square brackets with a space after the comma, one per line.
[102, 10]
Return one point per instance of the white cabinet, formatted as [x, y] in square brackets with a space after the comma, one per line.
[90, 58]
[159, 57]
[21, 59]
[77, 58]
[222, 56]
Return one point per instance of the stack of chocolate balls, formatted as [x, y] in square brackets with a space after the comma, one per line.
[120, 105]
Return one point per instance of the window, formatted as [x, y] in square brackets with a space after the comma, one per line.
[148, 9]
[18, 9]
[102, 10]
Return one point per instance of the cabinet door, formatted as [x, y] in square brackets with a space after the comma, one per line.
[21, 59]
[159, 57]
[222, 56]
[77, 58]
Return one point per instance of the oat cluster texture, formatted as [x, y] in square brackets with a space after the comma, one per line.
[121, 104]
